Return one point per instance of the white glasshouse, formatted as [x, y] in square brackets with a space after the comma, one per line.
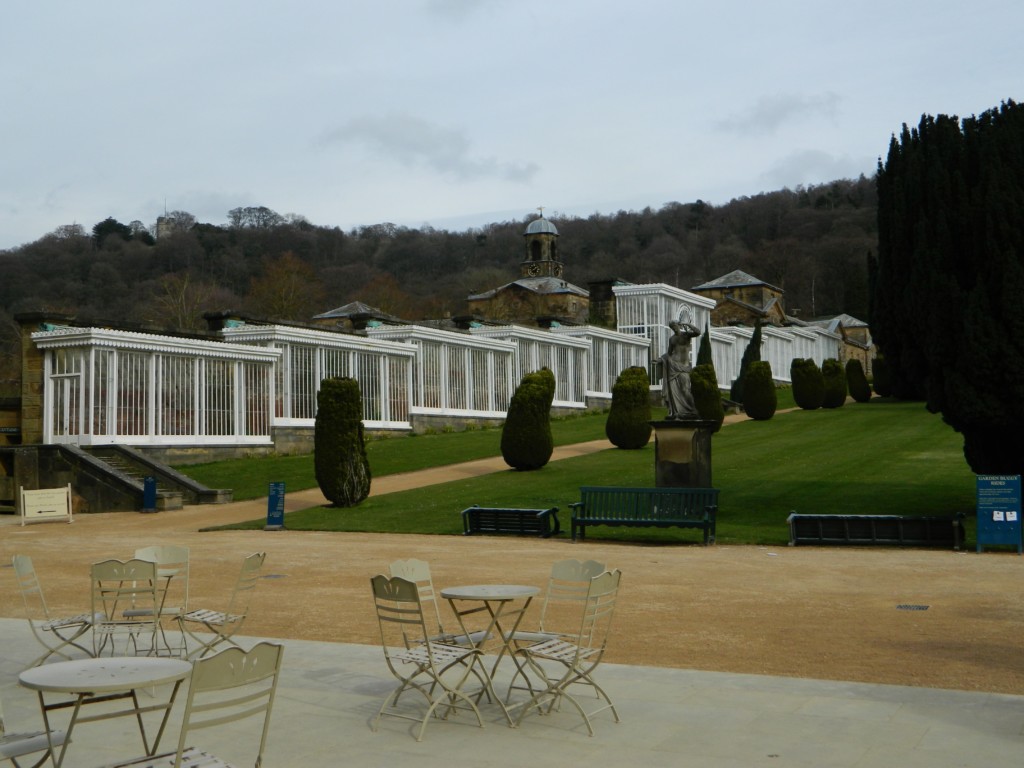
[102, 386]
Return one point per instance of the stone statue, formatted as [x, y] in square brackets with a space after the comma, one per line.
[675, 386]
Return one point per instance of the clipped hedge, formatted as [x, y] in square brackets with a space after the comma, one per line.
[808, 384]
[526, 441]
[857, 382]
[339, 452]
[835, 383]
[706, 395]
[760, 399]
[629, 420]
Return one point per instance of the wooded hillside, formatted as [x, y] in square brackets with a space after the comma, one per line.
[813, 242]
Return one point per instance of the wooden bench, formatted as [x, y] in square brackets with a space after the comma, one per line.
[901, 530]
[523, 522]
[646, 507]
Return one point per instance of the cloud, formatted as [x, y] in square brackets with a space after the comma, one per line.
[811, 166]
[771, 112]
[415, 142]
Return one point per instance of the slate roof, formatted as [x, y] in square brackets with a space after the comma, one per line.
[355, 309]
[540, 285]
[735, 279]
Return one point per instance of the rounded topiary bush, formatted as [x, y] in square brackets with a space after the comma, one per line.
[526, 441]
[629, 420]
[760, 399]
[834, 376]
[808, 384]
[339, 452]
[706, 395]
[857, 382]
[881, 380]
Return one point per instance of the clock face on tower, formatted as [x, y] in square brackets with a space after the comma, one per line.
[558, 270]
[533, 269]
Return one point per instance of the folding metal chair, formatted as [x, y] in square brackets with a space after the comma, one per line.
[55, 634]
[16, 745]
[438, 671]
[561, 663]
[231, 685]
[564, 598]
[215, 627]
[172, 565]
[124, 601]
[418, 571]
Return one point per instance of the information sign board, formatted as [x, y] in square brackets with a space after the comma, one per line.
[275, 507]
[999, 511]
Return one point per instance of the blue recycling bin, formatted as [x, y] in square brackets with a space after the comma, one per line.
[149, 494]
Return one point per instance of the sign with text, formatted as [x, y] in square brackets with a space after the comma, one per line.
[46, 504]
[999, 511]
[275, 507]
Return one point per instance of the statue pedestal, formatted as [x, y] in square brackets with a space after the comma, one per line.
[682, 453]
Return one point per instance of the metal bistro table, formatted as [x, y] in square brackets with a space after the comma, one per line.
[504, 606]
[91, 681]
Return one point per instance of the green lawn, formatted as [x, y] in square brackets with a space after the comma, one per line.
[876, 458]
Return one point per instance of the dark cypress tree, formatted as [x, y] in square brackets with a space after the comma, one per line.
[526, 441]
[834, 378]
[704, 356]
[751, 354]
[629, 419]
[706, 394]
[339, 452]
[881, 382]
[950, 270]
[759, 391]
[808, 384]
[857, 382]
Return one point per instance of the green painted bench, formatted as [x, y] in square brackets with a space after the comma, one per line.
[523, 522]
[646, 507]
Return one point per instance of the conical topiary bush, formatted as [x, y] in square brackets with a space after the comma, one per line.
[339, 453]
[629, 420]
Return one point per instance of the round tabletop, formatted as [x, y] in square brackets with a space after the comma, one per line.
[105, 675]
[489, 592]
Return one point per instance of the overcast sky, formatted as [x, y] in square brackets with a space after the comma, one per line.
[455, 113]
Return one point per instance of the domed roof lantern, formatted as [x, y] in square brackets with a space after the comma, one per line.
[541, 226]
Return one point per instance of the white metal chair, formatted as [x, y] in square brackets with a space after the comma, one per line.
[212, 627]
[562, 663]
[438, 671]
[172, 566]
[56, 634]
[418, 571]
[564, 597]
[231, 685]
[565, 593]
[17, 745]
[124, 601]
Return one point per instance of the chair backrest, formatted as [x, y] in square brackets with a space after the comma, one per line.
[232, 685]
[418, 571]
[248, 577]
[120, 585]
[597, 615]
[171, 563]
[399, 613]
[31, 590]
[567, 588]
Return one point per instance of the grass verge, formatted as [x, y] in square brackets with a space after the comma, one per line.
[875, 458]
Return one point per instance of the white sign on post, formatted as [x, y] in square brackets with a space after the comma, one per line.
[46, 504]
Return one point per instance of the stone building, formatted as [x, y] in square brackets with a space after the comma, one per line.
[742, 299]
[541, 295]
